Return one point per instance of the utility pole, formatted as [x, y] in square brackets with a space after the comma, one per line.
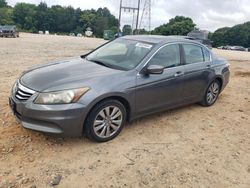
[137, 19]
[120, 14]
[149, 24]
[129, 8]
[146, 16]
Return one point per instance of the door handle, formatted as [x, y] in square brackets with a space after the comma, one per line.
[179, 73]
[208, 66]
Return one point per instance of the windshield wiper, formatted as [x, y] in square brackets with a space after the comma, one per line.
[99, 62]
[106, 64]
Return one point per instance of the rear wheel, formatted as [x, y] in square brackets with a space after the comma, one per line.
[105, 121]
[212, 93]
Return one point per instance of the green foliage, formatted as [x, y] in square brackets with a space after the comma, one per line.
[98, 21]
[218, 37]
[114, 29]
[127, 30]
[57, 19]
[88, 18]
[6, 16]
[141, 32]
[210, 35]
[42, 19]
[3, 3]
[78, 30]
[179, 25]
[238, 35]
[24, 16]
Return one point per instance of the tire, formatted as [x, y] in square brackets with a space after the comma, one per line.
[105, 121]
[212, 94]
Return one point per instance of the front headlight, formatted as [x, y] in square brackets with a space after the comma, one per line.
[61, 97]
[14, 89]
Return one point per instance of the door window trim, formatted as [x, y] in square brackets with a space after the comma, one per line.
[182, 54]
[180, 57]
[210, 54]
[149, 59]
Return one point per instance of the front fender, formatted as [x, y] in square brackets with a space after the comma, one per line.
[128, 96]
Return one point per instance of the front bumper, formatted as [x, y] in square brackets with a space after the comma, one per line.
[64, 120]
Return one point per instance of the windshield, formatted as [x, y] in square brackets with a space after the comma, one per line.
[120, 54]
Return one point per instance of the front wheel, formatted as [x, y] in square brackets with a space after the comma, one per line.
[212, 93]
[105, 121]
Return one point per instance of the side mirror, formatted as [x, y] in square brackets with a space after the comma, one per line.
[155, 69]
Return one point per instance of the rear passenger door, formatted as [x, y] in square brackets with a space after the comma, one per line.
[197, 70]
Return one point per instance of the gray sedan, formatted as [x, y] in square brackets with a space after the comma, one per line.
[130, 77]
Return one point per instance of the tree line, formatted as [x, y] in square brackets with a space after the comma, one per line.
[238, 35]
[57, 19]
[178, 25]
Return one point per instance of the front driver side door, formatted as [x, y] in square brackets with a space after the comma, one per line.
[159, 91]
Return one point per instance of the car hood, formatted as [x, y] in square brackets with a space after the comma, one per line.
[66, 74]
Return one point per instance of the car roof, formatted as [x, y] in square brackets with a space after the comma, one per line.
[155, 39]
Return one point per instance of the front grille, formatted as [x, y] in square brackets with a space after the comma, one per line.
[23, 93]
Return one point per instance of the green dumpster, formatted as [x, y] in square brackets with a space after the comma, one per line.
[108, 35]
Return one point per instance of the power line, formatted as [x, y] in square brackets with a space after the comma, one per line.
[129, 8]
[146, 16]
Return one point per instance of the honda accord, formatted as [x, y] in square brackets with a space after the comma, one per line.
[132, 76]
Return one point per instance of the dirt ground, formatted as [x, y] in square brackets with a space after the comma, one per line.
[191, 146]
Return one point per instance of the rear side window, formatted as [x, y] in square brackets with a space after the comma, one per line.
[168, 56]
[193, 53]
[206, 55]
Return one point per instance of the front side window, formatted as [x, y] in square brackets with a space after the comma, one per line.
[121, 54]
[168, 56]
[193, 53]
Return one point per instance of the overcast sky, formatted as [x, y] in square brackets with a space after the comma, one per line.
[207, 14]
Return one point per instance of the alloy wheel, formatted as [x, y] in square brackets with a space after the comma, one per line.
[213, 92]
[108, 121]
